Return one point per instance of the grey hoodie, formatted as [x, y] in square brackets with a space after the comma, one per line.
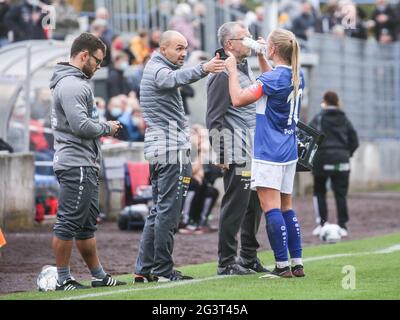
[162, 107]
[74, 120]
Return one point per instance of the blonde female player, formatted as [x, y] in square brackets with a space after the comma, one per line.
[277, 92]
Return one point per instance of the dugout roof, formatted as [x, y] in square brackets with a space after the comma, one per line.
[41, 56]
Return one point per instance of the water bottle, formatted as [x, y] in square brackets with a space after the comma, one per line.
[254, 45]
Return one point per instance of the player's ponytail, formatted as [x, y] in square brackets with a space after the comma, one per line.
[288, 49]
[295, 65]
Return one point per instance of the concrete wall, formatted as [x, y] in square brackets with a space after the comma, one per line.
[16, 191]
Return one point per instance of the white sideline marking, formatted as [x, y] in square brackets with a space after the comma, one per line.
[169, 285]
[390, 249]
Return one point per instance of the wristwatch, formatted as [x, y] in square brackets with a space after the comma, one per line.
[202, 67]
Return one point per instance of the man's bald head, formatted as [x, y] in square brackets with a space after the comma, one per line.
[171, 36]
[173, 46]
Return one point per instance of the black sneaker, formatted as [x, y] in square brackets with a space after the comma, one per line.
[141, 278]
[255, 266]
[174, 276]
[298, 271]
[279, 273]
[70, 284]
[234, 269]
[108, 281]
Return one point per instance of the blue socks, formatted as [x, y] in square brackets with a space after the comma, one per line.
[293, 232]
[283, 231]
[277, 234]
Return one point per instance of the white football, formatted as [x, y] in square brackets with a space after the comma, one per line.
[330, 233]
[47, 279]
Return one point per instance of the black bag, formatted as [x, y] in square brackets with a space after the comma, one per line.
[133, 217]
[4, 146]
[308, 141]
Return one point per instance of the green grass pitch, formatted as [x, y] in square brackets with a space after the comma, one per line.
[362, 269]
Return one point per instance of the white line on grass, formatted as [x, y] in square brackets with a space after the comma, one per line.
[390, 249]
[169, 285]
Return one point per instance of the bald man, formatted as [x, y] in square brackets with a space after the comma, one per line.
[167, 148]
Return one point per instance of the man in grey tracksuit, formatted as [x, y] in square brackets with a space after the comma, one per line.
[77, 130]
[167, 148]
[240, 208]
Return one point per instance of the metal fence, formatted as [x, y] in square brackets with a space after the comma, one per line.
[366, 76]
[129, 16]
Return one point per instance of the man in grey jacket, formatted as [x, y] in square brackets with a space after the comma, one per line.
[77, 130]
[240, 208]
[167, 148]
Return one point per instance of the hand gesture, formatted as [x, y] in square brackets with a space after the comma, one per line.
[215, 65]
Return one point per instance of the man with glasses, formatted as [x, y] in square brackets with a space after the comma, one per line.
[240, 208]
[77, 157]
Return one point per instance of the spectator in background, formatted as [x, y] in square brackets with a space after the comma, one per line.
[25, 21]
[133, 124]
[139, 47]
[239, 8]
[360, 32]
[202, 195]
[397, 12]
[97, 28]
[304, 24]
[332, 160]
[257, 25]
[134, 76]
[385, 37]
[181, 22]
[154, 42]
[4, 8]
[66, 20]
[385, 21]
[117, 45]
[108, 33]
[329, 18]
[199, 11]
[116, 81]
[115, 108]
[101, 108]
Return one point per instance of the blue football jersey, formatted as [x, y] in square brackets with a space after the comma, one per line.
[277, 114]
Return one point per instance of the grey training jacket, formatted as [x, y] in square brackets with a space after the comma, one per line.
[74, 120]
[161, 102]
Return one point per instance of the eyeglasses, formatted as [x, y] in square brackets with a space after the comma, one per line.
[98, 61]
[241, 39]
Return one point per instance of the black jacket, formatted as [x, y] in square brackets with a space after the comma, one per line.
[116, 83]
[340, 141]
[4, 8]
[390, 25]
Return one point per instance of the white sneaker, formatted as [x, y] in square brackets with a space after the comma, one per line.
[317, 231]
[343, 232]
